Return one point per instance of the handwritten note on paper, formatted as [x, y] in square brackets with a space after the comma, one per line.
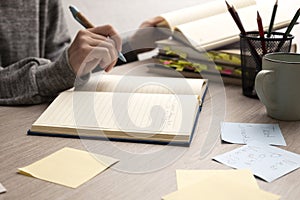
[244, 133]
[266, 162]
[2, 189]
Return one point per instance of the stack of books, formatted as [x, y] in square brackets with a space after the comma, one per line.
[193, 63]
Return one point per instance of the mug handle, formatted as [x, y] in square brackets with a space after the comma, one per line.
[259, 87]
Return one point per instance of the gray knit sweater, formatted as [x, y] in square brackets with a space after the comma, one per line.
[33, 57]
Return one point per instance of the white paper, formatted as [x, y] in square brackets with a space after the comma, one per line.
[266, 162]
[244, 133]
[2, 189]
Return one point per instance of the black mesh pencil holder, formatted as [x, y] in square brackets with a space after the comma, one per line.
[252, 50]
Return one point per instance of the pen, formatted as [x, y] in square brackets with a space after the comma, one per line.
[288, 30]
[79, 17]
[261, 33]
[272, 19]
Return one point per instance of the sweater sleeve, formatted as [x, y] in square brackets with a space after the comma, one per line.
[35, 80]
[41, 77]
[57, 33]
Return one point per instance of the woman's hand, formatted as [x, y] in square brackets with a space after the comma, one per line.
[93, 47]
[148, 33]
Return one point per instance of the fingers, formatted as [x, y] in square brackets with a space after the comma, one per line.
[152, 22]
[156, 20]
[99, 56]
[92, 47]
[108, 31]
[107, 44]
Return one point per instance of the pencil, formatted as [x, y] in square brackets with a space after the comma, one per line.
[236, 18]
[289, 29]
[261, 33]
[238, 22]
[79, 17]
[272, 19]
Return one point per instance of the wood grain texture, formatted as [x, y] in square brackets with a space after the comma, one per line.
[156, 175]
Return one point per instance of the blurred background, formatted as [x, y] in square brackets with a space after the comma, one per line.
[127, 15]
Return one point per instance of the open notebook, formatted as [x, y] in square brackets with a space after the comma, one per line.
[141, 109]
[210, 25]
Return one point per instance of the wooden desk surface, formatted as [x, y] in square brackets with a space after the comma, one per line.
[143, 177]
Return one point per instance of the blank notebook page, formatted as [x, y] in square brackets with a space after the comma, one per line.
[136, 112]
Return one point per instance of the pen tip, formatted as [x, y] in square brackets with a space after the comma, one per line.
[73, 9]
[228, 6]
[258, 16]
[122, 57]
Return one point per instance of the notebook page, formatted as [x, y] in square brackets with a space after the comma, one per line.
[155, 113]
[143, 84]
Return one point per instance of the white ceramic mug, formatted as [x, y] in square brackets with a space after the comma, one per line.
[278, 85]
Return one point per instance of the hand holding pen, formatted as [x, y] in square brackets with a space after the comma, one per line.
[94, 46]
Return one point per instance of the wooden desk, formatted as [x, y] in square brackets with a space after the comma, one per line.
[156, 177]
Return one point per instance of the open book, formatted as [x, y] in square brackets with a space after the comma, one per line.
[141, 109]
[211, 26]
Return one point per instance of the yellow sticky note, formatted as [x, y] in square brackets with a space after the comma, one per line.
[214, 188]
[68, 167]
[190, 177]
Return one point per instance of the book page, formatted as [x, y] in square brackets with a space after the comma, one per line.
[144, 84]
[193, 13]
[139, 112]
